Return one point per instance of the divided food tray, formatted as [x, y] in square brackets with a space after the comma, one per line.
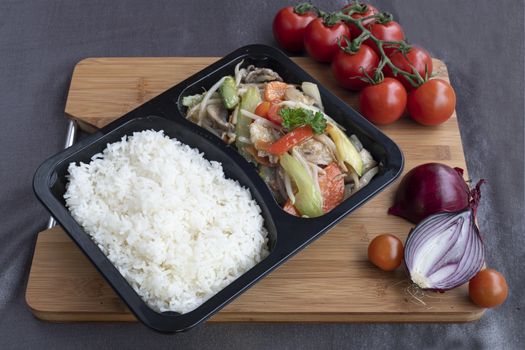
[287, 234]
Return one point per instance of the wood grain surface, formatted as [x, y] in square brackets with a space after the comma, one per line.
[329, 281]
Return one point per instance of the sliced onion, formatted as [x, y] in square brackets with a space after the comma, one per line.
[365, 179]
[357, 143]
[444, 251]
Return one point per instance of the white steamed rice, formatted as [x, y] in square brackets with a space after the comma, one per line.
[167, 218]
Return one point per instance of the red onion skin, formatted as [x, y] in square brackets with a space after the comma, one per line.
[428, 189]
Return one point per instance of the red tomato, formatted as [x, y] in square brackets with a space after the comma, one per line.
[432, 103]
[383, 103]
[390, 31]
[288, 28]
[320, 40]
[386, 252]
[418, 57]
[488, 288]
[291, 139]
[348, 67]
[369, 11]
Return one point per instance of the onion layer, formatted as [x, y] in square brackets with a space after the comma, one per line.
[445, 250]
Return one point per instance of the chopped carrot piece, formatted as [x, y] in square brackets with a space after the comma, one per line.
[290, 209]
[274, 90]
[332, 185]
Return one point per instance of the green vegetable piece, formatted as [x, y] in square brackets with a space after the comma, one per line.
[190, 101]
[345, 150]
[296, 117]
[229, 92]
[308, 200]
[249, 102]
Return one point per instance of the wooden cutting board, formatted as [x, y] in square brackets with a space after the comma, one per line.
[329, 281]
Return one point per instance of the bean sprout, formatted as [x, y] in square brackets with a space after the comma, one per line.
[204, 101]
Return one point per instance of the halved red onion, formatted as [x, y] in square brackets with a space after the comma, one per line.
[444, 251]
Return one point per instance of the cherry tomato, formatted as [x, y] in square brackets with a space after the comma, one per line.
[369, 11]
[386, 252]
[432, 103]
[348, 67]
[390, 31]
[383, 103]
[488, 288]
[320, 40]
[288, 28]
[416, 57]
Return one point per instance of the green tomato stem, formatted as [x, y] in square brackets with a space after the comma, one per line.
[414, 78]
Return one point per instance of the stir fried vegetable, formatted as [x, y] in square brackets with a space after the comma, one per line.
[249, 102]
[305, 157]
[310, 89]
[275, 91]
[192, 100]
[228, 91]
[308, 200]
[288, 141]
[345, 150]
[332, 186]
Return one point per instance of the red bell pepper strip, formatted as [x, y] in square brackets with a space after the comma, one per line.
[294, 137]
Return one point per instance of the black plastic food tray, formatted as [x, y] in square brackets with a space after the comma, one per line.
[287, 234]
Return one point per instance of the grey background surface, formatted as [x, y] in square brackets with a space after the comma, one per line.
[40, 42]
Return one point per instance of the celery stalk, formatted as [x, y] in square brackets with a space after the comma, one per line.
[345, 150]
[249, 102]
[308, 200]
[228, 92]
